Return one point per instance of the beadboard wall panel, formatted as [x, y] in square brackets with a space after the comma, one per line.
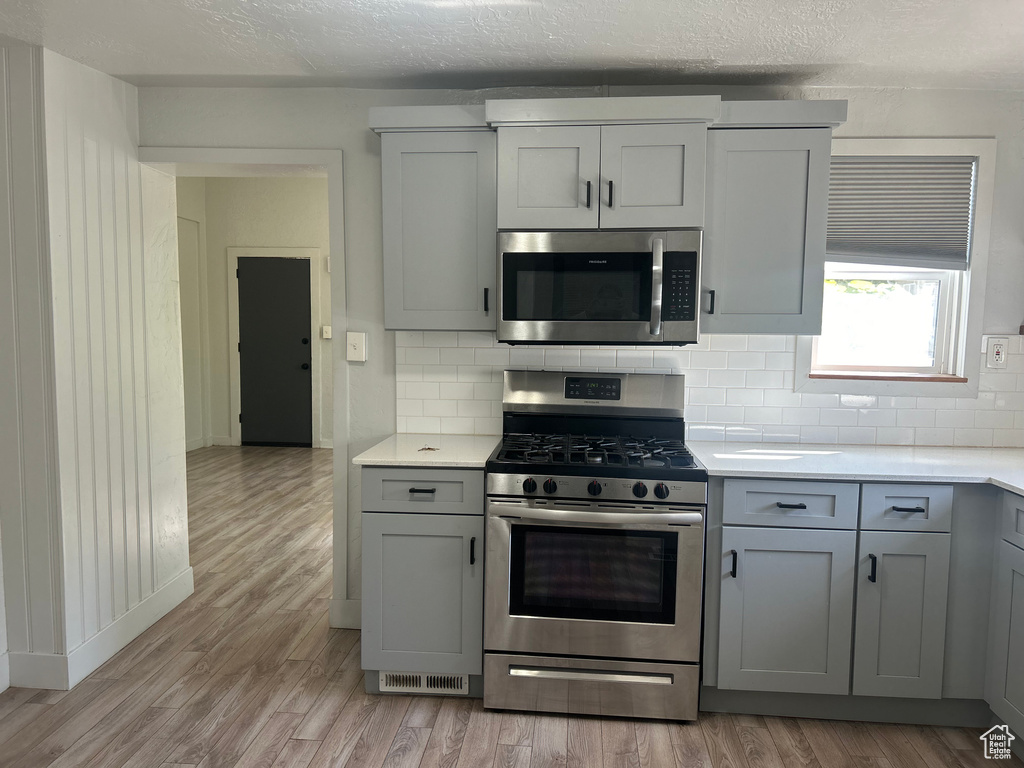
[117, 353]
[28, 445]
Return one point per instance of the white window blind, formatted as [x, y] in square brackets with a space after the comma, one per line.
[912, 211]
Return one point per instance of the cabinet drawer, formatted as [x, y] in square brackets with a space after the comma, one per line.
[790, 503]
[899, 507]
[1013, 519]
[434, 491]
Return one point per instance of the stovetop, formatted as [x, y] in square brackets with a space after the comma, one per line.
[640, 457]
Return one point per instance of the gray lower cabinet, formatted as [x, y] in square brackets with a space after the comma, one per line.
[1004, 690]
[786, 616]
[902, 587]
[423, 577]
[440, 250]
[764, 241]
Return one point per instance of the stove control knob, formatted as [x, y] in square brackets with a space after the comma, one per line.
[639, 490]
[550, 486]
[529, 485]
[661, 490]
[594, 489]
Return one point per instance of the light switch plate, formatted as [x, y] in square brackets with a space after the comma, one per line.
[325, 332]
[355, 347]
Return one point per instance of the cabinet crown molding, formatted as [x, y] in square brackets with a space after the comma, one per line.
[604, 111]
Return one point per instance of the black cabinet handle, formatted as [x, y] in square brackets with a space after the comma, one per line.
[711, 308]
[472, 551]
[305, 366]
[873, 576]
[783, 505]
[735, 561]
[588, 194]
[915, 510]
[423, 490]
[611, 188]
[487, 300]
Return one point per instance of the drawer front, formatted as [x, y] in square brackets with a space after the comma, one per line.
[900, 507]
[433, 491]
[1013, 519]
[791, 503]
[591, 686]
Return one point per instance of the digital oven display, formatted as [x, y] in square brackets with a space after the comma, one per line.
[588, 388]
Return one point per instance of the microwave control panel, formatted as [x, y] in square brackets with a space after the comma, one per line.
[679, 289]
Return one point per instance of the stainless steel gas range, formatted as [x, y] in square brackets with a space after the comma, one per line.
[595, 542]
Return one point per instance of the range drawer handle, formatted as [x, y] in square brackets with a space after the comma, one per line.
[784, 505]
[915, 510]
[423, 490]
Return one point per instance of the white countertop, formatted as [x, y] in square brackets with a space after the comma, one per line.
[1004, 467]
[407, 450]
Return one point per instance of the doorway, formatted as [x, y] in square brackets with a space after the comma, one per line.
[275, 359]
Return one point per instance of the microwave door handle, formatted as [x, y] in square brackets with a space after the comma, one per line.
[658, 266]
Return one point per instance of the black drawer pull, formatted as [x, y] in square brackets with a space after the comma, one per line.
[783, 505]
[487, 304]
[915, 510]
[423, 490]
[735, 561]
[873, 576]
[472, 551]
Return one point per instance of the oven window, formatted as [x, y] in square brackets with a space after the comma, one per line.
[593, 573]
[577, 286]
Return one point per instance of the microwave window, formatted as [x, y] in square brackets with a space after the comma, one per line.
[568, 287]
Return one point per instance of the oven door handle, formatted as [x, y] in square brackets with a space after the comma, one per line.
[657, 271]
[597, 518]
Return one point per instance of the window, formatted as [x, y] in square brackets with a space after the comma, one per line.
[904, 280]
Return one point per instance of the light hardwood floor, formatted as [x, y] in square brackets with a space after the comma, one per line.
[247, 673]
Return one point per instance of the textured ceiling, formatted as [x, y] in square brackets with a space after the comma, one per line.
[481, 43]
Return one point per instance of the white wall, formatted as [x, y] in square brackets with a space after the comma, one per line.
[337, 118]
[29, 489]
[191, 200]
[93, 562]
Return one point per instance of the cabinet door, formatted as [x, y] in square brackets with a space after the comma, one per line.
[901, 614]
[1005, 689]
[423, 581]
[787, 617]
[543, 177]
[439, 223]
[652, 176]
[764, 244]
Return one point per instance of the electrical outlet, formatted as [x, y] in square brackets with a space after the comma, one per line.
[996, 353]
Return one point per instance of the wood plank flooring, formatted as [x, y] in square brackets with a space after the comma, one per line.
[247, 673]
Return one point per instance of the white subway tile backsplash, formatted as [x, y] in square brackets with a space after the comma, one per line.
[727, 378]
[739, 388]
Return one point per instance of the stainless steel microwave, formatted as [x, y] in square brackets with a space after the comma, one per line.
[600, 287]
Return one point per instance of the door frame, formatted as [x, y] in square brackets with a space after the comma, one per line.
[234, 357]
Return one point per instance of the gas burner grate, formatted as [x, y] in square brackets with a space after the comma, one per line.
[594, 451]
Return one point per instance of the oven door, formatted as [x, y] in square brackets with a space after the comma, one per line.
[601, 580]
[597, 287]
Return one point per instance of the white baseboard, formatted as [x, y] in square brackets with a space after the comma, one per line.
[220, 440]
[192, 445]
[5, 672]
[57, 672]
[327, 444]
[345, 614]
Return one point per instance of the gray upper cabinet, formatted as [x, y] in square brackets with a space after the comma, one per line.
[613, 176]
[764, 243]
[423, 579]
[439, 230]
[1004, 690]
[902, 588]
[786, 617]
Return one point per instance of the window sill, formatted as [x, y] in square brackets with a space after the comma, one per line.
[882, 376]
